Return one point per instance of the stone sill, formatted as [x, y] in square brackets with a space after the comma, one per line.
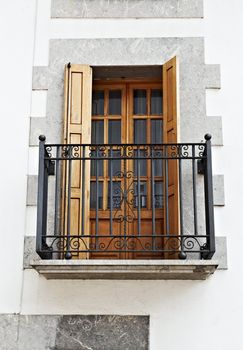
[126, 269]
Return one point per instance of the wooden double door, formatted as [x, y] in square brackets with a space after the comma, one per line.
[119, 217]
[127, 114]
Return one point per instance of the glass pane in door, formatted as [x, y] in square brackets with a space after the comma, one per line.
[156, 105]
[140, 131]
[142, 195]
[96, 197]
[116, 189]
[97, 137]
[140, 137]
[98, 102]
[157, 138]
[114, 137]
[158, 189]
[139, 102]
[114, 102]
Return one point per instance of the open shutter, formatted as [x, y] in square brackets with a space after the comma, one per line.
[170, 115]
[77, 130]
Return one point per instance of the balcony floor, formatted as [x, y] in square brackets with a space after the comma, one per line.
[126, 269]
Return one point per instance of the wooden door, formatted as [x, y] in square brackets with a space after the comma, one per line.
[128, 113]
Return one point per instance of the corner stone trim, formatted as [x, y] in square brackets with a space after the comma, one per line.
[76, 332]
[127, 9]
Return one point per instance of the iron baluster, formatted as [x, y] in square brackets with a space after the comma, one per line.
[153, 196]
[97, 196]
[111, 190]
[208, 193]
[41, 246]
[138, 192]
[167, 226]
[182, 254]
[83, 190]
[57, 193]
[68, 254]
[194, 188]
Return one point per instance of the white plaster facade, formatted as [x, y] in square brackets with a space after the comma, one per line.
[183, 314]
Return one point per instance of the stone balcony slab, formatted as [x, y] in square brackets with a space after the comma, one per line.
[126, 269]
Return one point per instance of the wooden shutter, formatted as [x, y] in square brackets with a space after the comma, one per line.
[170, 115]
[77, 130]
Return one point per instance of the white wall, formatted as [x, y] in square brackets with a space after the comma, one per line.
[183, 313]
[17, 19]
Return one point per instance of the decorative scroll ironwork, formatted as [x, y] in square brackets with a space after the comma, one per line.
[133, 243]
[127, 151]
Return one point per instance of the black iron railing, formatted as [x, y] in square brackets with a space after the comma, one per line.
[125, 201]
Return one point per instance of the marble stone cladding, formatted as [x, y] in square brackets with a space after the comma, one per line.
[75, 332]
[127, 9]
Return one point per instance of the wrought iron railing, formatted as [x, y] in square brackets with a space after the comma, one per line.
[134, 201]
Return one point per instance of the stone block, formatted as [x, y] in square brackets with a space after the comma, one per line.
[218, 190]
[40, 78]
[221, 252]
[37, 332]
[214, 127]
[30, 254]
[212, 76]
[9, 331]
[32, 184]
[38, 126]
[127, 9]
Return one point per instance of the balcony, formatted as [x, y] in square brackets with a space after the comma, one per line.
[128, 204]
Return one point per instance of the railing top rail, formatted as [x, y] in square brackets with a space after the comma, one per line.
[125, 151]
[123, 144]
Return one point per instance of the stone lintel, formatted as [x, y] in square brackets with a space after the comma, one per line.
[126, 269]
[127, 9]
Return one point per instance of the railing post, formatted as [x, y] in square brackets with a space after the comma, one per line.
[208, 194]
[42, 202]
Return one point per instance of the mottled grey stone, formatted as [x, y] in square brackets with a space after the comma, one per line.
[221, 253]
[127, 8]
[37, 332]
[126, 269]
[9, 332]
[214, 127]
[212, 76]
[102, 332]
[218, 190]
[32, 189]
[40, 78]
[76, 332]
[192, 75]
[30, 254]
[38, 126]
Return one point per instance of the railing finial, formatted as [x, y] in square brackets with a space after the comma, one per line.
[207, 137]
[42, 138]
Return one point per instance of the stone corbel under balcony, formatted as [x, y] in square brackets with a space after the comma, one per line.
[126, 269]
